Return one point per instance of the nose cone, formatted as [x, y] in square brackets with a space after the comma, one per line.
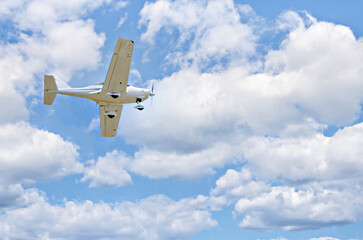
[151, 94]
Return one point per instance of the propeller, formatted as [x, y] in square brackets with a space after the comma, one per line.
[151, 94]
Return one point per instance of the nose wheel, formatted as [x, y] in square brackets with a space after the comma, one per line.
[139, 106]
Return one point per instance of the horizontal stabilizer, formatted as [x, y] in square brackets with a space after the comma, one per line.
[50, 89]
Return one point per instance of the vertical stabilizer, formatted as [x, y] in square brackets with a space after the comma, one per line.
[50, 89]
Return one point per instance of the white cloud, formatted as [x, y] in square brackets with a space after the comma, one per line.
[193, 111]
[234, 185]
[214, 27]
[28, 154]
[318, 181]
[94, 124]
[121, 21]
[321, 68]
[288, 208]
[135, 78]
[50, 39]
[159, 164]
[112, 169]
[17, 82]
[65, 48]
[108, 171]
[121, 4]
[314, 157]
[319, 177]
[165, 13]
[290, 20]
[11, 196]
[280, 238]
[156, 217]
[314, 79]
[37, 14]
[324, 238]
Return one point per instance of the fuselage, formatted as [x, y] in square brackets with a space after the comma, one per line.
[94, 92]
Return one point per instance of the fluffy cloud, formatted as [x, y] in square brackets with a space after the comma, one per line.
[35, 14]
[264, 207]
[113, 169]
[214, 27]
[318, 181]
[108, 171]
[294, 176]
[156, 217]
[50, 38]
[17, 82]
[320, 65]
[288, 208]
[11, 196]
[159, 164]
[43, 36]
[29, 154]
[314, 157]
[312, 80]
[234, 185]
[325, 238]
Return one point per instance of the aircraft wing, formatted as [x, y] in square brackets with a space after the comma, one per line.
[119, 69]
[109, 117]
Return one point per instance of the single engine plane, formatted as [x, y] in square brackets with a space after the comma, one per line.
[111, 94]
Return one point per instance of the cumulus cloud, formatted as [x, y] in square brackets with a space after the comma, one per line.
[108, 171]
[318, 181]
[156, 217]
[237, 184]
[294, 177]
[29, 154]
[314, 79]
[288, 208]
[36, 14]
[263, 207]
[324, 238]
[159, 164]
[321, 67]
[47, 35]
[11, 196]
[50, 38]
[315, 157]
[214, 28]
[216, 109]
[113, 169]
[94, 124]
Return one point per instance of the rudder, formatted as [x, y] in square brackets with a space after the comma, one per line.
[50, 89]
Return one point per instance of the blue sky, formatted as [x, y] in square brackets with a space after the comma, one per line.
[255, 131]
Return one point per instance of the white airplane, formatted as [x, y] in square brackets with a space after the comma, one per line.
[110, 95]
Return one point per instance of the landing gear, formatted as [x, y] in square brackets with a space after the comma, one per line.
[139, 106]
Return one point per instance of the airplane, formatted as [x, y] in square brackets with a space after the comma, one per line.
[111, 94]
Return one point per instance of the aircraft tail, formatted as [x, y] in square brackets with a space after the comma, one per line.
[50, 89]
